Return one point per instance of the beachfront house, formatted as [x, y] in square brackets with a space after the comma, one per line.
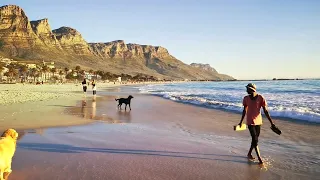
[50, 65]
[31, 66]
[7, 61]
[89, 76]
[2, 76]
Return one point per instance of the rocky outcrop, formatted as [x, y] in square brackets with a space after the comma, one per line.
[36, 41]
[42, 29]
[13, 19]
[15, 29]
[114, 49]
[205, 67]
[119, 49]
[71, 40]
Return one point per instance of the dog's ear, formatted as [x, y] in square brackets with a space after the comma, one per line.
[10, 132]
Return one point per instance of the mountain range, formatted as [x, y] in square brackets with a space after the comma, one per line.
[36, 41]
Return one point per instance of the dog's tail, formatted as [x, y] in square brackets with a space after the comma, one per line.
[117, 99]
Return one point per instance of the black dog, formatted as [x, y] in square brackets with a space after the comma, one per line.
[126, 101]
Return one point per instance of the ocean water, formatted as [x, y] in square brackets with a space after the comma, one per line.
[295, 99]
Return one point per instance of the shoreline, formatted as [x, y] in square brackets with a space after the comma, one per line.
[288, 119]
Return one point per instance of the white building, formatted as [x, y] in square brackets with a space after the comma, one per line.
[2, 76]
[7, 61]
[31, 66]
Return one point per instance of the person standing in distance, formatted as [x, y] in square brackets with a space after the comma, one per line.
[94, 87]
[252, 104]
[84, 85]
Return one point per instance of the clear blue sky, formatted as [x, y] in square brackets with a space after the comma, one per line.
[248, 39]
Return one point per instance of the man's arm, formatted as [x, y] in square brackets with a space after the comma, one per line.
[266, 112]
[244, 112]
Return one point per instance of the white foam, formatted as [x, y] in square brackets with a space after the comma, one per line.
[291, 102]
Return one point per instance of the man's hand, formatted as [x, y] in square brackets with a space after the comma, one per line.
[243, 115]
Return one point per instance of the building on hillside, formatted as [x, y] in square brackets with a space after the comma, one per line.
[31, 66]
[7, 61]
[2, 76]
[48, 64]
[89, 75]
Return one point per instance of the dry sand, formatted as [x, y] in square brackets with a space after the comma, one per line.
[34, 106]
[21, 93]
[158, 139]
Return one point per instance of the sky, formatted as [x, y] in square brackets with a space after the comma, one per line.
[247, 39]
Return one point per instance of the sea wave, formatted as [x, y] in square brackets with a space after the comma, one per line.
[294, 105]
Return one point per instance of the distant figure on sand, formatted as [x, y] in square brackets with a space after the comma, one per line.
[252, 105]
[84, 85]
[94, 87]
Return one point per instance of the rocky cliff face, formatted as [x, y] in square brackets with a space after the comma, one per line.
[114, 49]
[36, 41]
[72, 41]
[15, 29]
[43, 31]
[118, 49]
[13, 19]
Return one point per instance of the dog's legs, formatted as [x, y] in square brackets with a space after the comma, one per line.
[7, 171]
[125, 108]
[130, 107]
[6, 175]
[1, 175]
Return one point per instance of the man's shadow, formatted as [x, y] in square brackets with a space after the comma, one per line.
[62, 148]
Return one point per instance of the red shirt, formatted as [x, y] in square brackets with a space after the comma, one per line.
[253, 109]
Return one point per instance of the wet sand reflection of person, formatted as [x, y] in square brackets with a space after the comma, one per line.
[94, 109]
[83, 108]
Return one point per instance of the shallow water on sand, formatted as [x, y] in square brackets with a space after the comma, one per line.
[92, 149]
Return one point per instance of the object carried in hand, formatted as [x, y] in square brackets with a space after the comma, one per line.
[240, 128]
[275, 129]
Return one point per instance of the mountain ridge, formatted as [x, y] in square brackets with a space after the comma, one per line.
[34, 40]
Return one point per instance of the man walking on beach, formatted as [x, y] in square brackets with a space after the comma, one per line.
[252, 105]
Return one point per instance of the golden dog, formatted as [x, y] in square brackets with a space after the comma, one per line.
[8, 141]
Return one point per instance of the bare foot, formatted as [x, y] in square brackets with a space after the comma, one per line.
[261, 163]
[250, 157]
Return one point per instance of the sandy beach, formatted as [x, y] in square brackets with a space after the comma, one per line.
[64, 138]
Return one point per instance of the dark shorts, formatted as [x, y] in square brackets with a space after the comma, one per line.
[254, 132]
[94, 92]
[84, 88]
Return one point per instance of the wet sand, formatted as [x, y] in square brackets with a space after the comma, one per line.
[158, 139]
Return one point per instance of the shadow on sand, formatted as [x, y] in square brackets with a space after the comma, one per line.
[62, 148]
